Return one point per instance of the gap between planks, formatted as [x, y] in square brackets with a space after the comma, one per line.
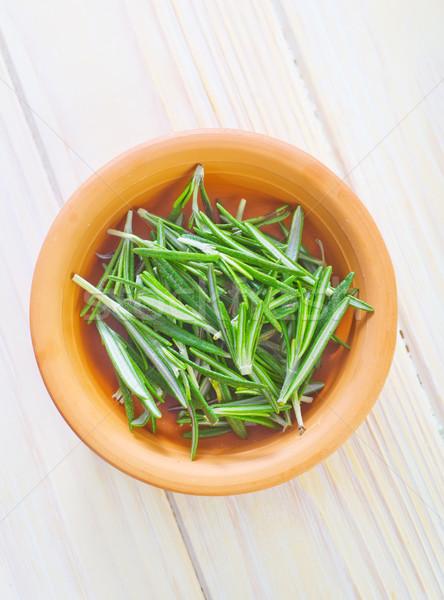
[29, 116]
[188, 545]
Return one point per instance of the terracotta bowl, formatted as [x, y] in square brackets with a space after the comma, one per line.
[267, 173]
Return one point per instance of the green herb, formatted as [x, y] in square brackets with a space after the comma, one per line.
[225, 317]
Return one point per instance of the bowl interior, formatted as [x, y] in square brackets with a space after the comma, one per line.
[229, 192]
[267, 173]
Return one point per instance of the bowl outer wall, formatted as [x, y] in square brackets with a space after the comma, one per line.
[105, 194]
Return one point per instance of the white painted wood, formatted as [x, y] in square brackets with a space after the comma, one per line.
[367, 523]
[376, 74]
[92, 79]
[70, 526]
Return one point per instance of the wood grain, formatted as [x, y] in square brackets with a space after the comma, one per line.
[358, 86]
[70, 526]
[380, 88]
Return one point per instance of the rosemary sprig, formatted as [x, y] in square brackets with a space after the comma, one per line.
[225, 317]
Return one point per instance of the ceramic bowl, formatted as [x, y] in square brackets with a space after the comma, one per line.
[267, 173]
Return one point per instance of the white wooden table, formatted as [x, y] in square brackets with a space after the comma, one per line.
[360, 86]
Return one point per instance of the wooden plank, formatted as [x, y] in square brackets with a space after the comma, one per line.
[93, 98]
[249, 73]
[367, 523]
[70, 525]
[376, 73]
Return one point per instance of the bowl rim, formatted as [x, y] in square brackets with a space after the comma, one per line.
[262, 471]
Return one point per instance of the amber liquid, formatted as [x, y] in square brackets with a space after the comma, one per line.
[167, 428]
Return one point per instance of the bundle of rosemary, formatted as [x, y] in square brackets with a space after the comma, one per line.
[227, 319]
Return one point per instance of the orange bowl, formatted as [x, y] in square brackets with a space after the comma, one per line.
[267, 173]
